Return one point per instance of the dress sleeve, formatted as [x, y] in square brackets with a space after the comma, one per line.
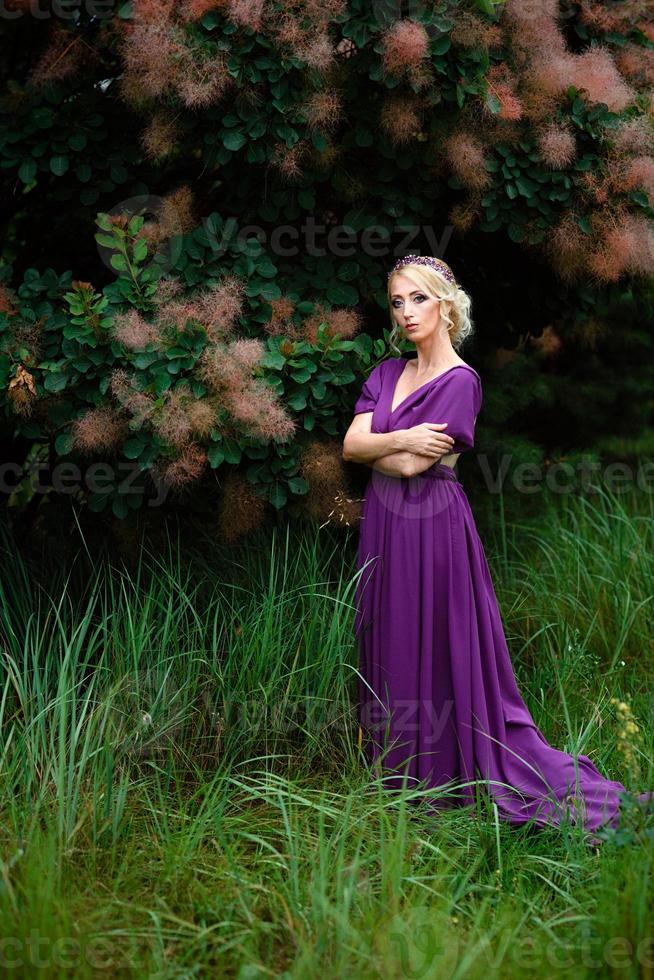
[458, 402]
[370, 392]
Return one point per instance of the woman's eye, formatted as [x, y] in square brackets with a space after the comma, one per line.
[418, 296]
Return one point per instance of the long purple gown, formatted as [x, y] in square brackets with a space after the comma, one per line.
[438, 699]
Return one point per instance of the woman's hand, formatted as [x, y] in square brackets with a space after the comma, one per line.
[427, 439]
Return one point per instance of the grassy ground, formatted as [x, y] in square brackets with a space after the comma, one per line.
[183, 792]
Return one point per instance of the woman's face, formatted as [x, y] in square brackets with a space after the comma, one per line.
[416, 312]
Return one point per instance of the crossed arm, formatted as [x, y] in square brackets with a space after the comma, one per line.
[402, 463]
[383, 451]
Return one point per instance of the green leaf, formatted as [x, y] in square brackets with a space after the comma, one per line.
[133, 448]
[107, 240]
[442, 45]
[362, 343]
[640, 197]
[297, 484]
[77, 141]
[319, 141]
[211, 19]
[134, 497]
[307, 199]
[64, 443]
[341, 294]
[103, 221]
[493, 103]
[162, 382]
[298, 401]
[301, 376]
[140, 250]
[27, 171]
[257, 129]
[232, 453]
[81, 364]
[273, 359]
[525, 186]
[75, 331]
[234, 141]
[144, 359]
[349, 270]
[277, 495]
[119, 507]
[135, 224]
[216, 456]
[118, 262]
[490, 226]
[59, 164]
[55, 382]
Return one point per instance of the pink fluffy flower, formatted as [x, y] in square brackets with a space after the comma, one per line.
[596, 74]
[99, 430]
[247, 13]
[557, 146]
[465, 153]
[406, 43]
[133, 332]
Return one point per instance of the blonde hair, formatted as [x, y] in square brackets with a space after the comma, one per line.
[459, 322]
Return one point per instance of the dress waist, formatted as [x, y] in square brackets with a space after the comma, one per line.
[441, 471]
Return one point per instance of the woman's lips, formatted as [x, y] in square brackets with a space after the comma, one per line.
[411, 326]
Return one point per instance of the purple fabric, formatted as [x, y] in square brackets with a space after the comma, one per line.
[438, 699]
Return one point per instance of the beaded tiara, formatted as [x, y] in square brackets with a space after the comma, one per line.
[435, 263]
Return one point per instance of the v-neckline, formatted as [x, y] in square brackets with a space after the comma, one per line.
[392, 410]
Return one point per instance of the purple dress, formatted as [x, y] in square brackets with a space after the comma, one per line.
[438, 699]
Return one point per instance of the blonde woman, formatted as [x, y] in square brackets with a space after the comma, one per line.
[438, 697]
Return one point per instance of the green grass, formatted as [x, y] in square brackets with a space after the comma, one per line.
[183, 792]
